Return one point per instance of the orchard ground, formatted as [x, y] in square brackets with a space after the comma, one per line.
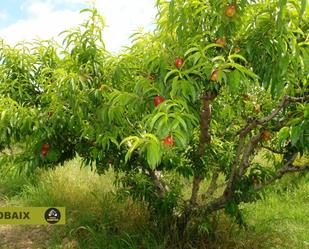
[97, 220]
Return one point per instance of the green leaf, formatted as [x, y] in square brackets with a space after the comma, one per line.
[173, 124]
[303, 9]
[175, 87]
[189, 51]
[234, 81]
[180, 137]
[151, 137]
[305, 58]
[133, 142]
[155, 119]
[169, 74]
[281, 14]
[242, 69]
[3, 115]
[52, 155]
[217, 58]
[238, 56]
[283, 134]
[212, 45]
[182, 122]
[306, 112]
[26, 124]
[295, 134]
[153, 154]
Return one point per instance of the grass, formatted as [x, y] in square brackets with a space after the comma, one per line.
[284, 213]
[279, 220]
[68, 185]
[12, 184]
[95, 219]
[94, 214]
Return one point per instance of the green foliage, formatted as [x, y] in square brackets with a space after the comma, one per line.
[79, 100]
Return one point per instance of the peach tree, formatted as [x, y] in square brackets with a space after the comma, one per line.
[191, 105]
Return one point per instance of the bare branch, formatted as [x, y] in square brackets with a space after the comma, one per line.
[213, 184]
[283, 103]
[205, 138]
[195, 188]
[161, 186]
[296, 168]
[244, 154]
[247, 153]
[247, 129]
[297, 99]
[240, 147]
[220, 202]
[287, 168]
[275, 111]
[217, 204]
[272, 150]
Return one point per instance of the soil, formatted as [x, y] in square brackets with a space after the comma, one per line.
[23, 237]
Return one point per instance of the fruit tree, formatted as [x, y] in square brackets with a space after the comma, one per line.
[216, 85]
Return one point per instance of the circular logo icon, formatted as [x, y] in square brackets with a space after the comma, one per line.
[52, 215]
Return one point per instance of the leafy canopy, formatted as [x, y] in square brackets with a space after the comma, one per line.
[240, 87]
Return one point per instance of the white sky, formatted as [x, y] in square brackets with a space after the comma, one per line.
[41, 19]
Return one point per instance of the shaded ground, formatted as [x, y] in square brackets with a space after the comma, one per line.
[23, 237]
[17, 237]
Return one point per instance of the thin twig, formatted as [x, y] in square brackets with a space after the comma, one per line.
[288, 167]
[272, 150]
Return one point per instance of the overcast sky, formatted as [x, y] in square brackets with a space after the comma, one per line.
[30, 19]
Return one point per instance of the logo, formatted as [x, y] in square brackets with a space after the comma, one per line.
[15, 215]
[32, 215]
[52, 215]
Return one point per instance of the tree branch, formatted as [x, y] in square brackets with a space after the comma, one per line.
[213, 184]
[244, 155]
[284, 102]
[250, 127]
[205, 138]
[205, 119]
[240, 146]
[251, 145]
[217, 204]
[272, 150]
[161, 186]
[220, 202]
[287, 168]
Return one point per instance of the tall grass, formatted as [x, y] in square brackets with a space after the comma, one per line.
[96, 219]
[11, 182]
[94, 215]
